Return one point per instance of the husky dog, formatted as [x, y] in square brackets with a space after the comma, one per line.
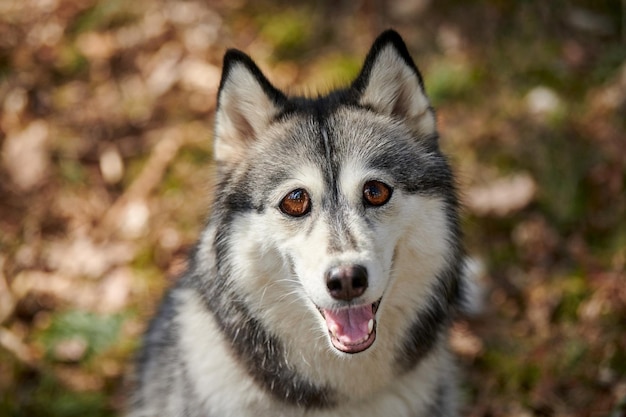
[326, 279]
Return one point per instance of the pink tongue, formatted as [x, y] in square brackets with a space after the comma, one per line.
[350, 325]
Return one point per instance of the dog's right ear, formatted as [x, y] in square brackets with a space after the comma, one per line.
[246, 104]
[391, 84]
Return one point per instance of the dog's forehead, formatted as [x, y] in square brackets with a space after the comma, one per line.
[346, 138]
[366, 133]
[343, 134]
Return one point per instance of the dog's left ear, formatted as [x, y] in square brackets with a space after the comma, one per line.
[246, 105]
[391, 84]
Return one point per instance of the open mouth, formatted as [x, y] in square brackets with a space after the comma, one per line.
[352, 329]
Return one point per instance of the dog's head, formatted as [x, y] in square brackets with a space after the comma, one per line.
[344, 200]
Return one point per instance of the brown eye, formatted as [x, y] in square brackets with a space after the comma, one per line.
[297, 203]
[376, 193]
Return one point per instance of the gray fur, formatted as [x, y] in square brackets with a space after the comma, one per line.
[243, 333]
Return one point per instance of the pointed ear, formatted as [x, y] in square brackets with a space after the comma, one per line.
[391, 84]
[246, 105]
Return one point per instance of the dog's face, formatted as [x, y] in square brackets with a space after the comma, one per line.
[333, 189]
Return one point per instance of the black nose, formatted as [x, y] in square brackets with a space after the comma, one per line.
[346, 282]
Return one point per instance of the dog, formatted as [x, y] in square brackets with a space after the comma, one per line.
[331, 267]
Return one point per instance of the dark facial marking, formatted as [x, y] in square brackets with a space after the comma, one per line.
[262, 353]
[430, 323]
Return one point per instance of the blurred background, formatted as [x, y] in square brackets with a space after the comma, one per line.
[106, 113]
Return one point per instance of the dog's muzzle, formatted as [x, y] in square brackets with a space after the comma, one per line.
[352, 329]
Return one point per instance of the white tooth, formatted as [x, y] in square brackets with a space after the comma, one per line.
[333, 329]
[370, 325]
